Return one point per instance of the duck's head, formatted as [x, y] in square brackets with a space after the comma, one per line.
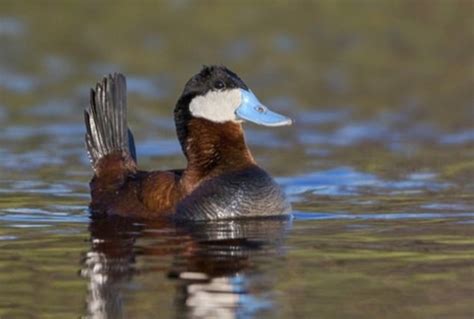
[219, 95]
[217, 98]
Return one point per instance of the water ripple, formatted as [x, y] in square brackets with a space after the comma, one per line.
[392, 216]
[345, 181]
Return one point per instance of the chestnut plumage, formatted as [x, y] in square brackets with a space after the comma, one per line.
[221, 179]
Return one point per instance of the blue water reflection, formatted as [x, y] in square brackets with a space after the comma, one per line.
[214, 264]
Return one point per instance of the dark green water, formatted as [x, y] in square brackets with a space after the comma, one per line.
[379, 165]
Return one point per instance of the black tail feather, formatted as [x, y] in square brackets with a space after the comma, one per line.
[106, 120]
[131, 145]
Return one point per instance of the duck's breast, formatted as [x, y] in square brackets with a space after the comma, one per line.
[247, 193]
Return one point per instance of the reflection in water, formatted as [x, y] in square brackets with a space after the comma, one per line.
[212, 264]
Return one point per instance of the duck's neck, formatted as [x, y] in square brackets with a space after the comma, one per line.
[213, 148]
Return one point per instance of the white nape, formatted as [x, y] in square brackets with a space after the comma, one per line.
[216, 106]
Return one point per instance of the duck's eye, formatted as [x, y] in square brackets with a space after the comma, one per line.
[219, 85]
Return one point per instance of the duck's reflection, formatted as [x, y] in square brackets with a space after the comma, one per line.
[218, 267]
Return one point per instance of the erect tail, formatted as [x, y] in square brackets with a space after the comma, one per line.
[106, 126]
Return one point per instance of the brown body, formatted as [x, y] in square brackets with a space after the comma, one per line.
[212, 149]
[221, 180]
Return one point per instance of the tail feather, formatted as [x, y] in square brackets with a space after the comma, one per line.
[106, 121]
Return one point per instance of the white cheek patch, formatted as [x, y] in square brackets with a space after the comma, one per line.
[217, 106]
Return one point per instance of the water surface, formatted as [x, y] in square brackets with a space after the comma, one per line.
[379, 165]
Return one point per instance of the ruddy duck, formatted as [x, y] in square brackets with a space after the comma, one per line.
[221, 180]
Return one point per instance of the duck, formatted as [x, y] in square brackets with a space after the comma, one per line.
[221, 179]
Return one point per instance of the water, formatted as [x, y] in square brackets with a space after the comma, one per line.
[379, 165]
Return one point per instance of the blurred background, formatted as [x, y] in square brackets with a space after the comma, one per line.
[381, 93]
[386, 76]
